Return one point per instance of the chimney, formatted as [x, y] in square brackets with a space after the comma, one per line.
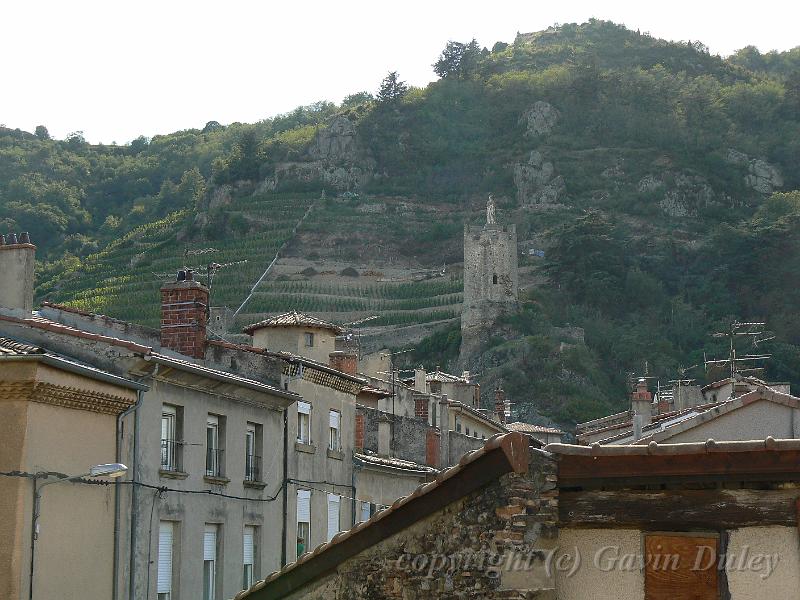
[444, 429]
[359, 442]
[421, 403]
[346, 362]
[17, 258]
[420, 383]
[384, 435]
[500, 405]
[184, 306]
[641, 405]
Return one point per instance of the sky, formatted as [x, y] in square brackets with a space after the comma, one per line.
[119, 69]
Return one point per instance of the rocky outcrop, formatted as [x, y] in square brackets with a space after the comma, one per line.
[683, 195]
[335, 143]
[537, 183]
[347, 177]
[761, 176]
[540, 119]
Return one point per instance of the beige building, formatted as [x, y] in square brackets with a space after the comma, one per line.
[296, 333]
[58, 418]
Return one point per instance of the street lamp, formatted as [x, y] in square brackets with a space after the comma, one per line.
[112, 470]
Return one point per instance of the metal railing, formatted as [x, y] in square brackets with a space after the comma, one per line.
[252, 467]
[214, 462]
[171, 455]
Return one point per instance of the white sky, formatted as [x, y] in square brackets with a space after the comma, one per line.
[117, 69]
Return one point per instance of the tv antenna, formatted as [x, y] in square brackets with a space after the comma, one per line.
[737, 363]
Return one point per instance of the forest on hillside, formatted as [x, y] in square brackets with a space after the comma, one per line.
[664, 227]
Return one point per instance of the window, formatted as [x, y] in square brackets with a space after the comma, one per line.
[249, 556]
[303, 422]
[458, 426]
[165, 546]
[309, 339]
[210, 561]
[303, 520]
[252, 459]
[171, 456]
[214, 453]
[494, 279]
[467, 430]
[366, 511]
[335, 442]
[334, 502]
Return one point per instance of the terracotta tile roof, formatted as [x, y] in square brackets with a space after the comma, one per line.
[502, 453]
[39, 322]
[394, 463]
[531, 428]
[368, 389]
[445, 377]
[293, 319]
[654, 448]
[9, 347]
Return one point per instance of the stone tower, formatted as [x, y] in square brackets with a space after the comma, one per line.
[491, 280]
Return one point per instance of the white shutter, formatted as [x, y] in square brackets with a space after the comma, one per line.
[364, 511]
[249, 543]
[333, 515]
[335, 418]
[164, 585]
[303, 506]
[303, 407]
[210, 543]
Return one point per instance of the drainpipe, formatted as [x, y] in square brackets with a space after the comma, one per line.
[118, 487]
[285, 484]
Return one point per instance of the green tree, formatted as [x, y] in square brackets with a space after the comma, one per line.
[458, 60]
[42, 133]
[392, 89]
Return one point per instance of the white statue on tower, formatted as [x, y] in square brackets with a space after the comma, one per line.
[490, 211]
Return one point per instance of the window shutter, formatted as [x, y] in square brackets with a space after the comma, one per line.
[164, 585]
[365, 511]
[303, 407]
[335, 418]
[249, 542]
[210, 543]
[303, 506]
[333, 515]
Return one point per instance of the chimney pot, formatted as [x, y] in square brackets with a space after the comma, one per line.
[2, 240]
[24, 238]
[12, 239]
[181, 276]
[189, 275]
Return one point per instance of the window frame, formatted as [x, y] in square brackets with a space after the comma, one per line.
[304, 410]
[335, 433]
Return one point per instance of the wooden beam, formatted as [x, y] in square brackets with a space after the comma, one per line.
[761, 465]
[687, 509]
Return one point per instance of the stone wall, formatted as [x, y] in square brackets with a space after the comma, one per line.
[408, 439]
[460, 444]
[492, 544]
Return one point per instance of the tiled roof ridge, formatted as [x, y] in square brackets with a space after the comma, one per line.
[710, 445]
[394, 462]
[16, 347]
[522, 426]
[477, 413]
[514, 447]
[45, 324]
[293, 317]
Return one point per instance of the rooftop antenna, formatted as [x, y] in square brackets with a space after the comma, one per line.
[353, 325]
[679, 383]
[737, 363]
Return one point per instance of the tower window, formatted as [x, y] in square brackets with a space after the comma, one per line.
[494, 279]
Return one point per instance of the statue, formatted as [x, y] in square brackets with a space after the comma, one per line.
[490, 211]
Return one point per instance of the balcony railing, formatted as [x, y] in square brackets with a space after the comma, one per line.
[214, 462]
[171, 455]
[252, 467]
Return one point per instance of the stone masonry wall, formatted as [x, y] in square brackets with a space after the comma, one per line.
[409, 435]
[493, 544]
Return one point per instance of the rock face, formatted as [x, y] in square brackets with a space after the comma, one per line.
[683, 195]
[335, 143]
[540, 118]
[341, 177]
[761, 176]
[537, 183]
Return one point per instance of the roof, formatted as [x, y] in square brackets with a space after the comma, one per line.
[445, 377]
[368, 389]
[293, 319]
[395, 464]
[502, 453]
[600, 465]
[531, 428]
[474, 412]
[16, 351]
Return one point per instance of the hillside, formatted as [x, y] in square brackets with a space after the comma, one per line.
[651, 173]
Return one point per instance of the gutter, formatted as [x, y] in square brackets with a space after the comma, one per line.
[77, 369]
[117, 488]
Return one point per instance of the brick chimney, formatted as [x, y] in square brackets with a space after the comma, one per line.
[432, 448]
[500, 405]
[346, 362]
[17, 258]
[642, 407]
[184, 305]
[359, 441]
